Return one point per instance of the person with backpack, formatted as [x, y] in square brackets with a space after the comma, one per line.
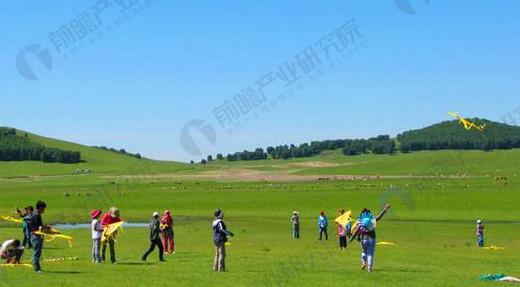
[220, 234]
[323, 224]
[365, 232]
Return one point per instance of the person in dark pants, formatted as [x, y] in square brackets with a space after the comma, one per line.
[220, 234]
[111, 217]
[37, 240]
[155, 237]
[323, 224]
[295, 220]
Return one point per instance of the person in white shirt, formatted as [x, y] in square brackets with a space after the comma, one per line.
[96, 236]
[11, 251]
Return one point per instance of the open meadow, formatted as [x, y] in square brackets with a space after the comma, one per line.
[432, 222]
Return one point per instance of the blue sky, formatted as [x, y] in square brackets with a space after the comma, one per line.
[138, 84]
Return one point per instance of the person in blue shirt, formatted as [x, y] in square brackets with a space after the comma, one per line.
[323, 223]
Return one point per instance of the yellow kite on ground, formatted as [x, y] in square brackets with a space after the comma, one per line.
[344, 219]
[493, 247]
[386, 243]
[15, 265]
[11, 219]
[110, 230]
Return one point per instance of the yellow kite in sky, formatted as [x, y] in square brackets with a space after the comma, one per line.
[468, 125]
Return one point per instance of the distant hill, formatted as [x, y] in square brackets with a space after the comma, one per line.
[18, 146]
[93, 160]
[451, 135]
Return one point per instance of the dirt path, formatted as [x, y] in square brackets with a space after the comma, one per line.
[254, 175]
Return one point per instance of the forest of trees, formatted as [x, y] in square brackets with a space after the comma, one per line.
[121, 151]
[451, 135]
[14, 147]
[378, 145]
[445, 135]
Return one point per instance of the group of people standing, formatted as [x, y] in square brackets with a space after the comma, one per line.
[162, 235]
[102, 234]
[362, 230]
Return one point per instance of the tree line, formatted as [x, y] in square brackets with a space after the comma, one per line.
[441, 136]
[19, 148]
[121, 151]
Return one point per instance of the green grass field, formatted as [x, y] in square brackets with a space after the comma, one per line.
[431, 220]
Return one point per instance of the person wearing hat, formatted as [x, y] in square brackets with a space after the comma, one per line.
[220, 234]
[167, 232]
[155, 239]
[96, 229]
[295, 219]
[480, 233]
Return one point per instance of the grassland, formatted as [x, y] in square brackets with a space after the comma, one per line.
[431, 220]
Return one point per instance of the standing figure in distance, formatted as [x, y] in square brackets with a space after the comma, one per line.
[220, 234]
[323, 224]
[295, 220]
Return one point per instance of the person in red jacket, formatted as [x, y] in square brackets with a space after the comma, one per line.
[112, 216]
[167, 232]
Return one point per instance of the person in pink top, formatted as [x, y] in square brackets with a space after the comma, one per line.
[167, 232]
[342, 233]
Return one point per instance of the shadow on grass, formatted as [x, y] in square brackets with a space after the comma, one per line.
[401, 270]
[137, 263]
[65, 272]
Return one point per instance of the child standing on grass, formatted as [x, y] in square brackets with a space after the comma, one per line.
[480, 233]
[323, 224]
[167, 232]
[342, 233]
[26, 225]
[97, 230]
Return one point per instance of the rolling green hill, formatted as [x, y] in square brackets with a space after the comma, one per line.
[94, 161]
[328, 163]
